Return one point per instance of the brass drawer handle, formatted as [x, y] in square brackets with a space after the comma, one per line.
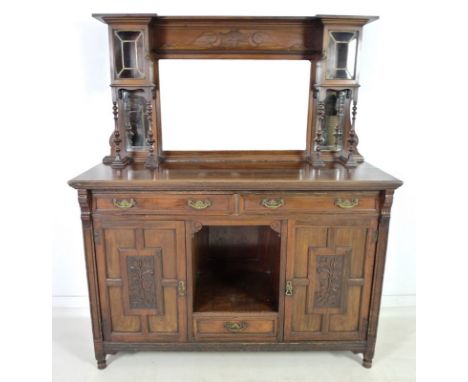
[272, 203]
[124, 203]
[346, 203]
[199, 204]
[235, 327]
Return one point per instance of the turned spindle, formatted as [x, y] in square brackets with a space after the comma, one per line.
[349, 159]
[151, 161]
[317, 160]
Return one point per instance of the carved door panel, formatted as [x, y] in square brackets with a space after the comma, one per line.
[329, 275]
[142, 275]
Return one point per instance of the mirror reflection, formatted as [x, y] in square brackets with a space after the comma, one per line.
[332, 132]
[134, 118]
[234, 104]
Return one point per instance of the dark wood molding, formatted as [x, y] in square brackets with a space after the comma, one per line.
[381, 251]
[85, 202]
[354, 346]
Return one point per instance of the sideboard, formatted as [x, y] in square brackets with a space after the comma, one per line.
[235, 250]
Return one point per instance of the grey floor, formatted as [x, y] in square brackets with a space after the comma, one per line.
[73, 358]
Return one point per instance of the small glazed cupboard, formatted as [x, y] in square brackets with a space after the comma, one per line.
[235, 250]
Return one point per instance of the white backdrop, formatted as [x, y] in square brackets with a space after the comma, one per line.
[81, 64]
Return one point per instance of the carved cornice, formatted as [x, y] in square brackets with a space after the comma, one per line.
[124, 18]
[347, 20]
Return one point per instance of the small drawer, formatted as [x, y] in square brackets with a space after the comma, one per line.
[238, 327]
[327, 202]
[166, 203]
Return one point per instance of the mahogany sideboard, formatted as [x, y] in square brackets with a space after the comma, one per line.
[245, 250]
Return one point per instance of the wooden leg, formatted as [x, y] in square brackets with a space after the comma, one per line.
[367, 362]
[101, 363]
[368, 355]
[100, 355]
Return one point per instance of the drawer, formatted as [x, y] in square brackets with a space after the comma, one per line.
[165, 203]
[328, 202]
[235, 327]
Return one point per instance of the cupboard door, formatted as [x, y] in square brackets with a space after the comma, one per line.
[329, 276]
[142, 276]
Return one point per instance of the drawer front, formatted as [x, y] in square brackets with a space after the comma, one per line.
[167, 204]
[330, 202]
[232, 328]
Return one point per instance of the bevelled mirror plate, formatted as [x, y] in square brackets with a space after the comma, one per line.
[128, 54]
[342, 54]
[332, 131]
[135, 121]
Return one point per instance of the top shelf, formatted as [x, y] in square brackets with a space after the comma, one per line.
[233, 37]
[114, 17]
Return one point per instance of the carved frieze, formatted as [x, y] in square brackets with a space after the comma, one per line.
[236, 38]
[292, 39]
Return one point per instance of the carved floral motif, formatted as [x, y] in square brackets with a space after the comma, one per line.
[231, 39]
[236, 38]
[329, 275]
[141, 281]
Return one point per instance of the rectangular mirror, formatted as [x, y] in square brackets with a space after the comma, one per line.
[332, 131]
[234, 104]
[132, 106]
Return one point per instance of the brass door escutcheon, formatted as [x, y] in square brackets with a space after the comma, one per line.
[199, 204]
[181, 288]
[124, 203]
[346, 203]
[272, 203]
[235, 326]
[289, 288]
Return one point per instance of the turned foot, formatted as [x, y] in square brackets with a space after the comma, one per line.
[101, 363]
[367, 363]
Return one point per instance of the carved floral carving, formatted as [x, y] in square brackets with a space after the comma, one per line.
[196, 227]
[231, 39]
[330, 279]
[276, 226]
[236, 38]
[141, 282]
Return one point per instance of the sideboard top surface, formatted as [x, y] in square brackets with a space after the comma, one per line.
[177, 177]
